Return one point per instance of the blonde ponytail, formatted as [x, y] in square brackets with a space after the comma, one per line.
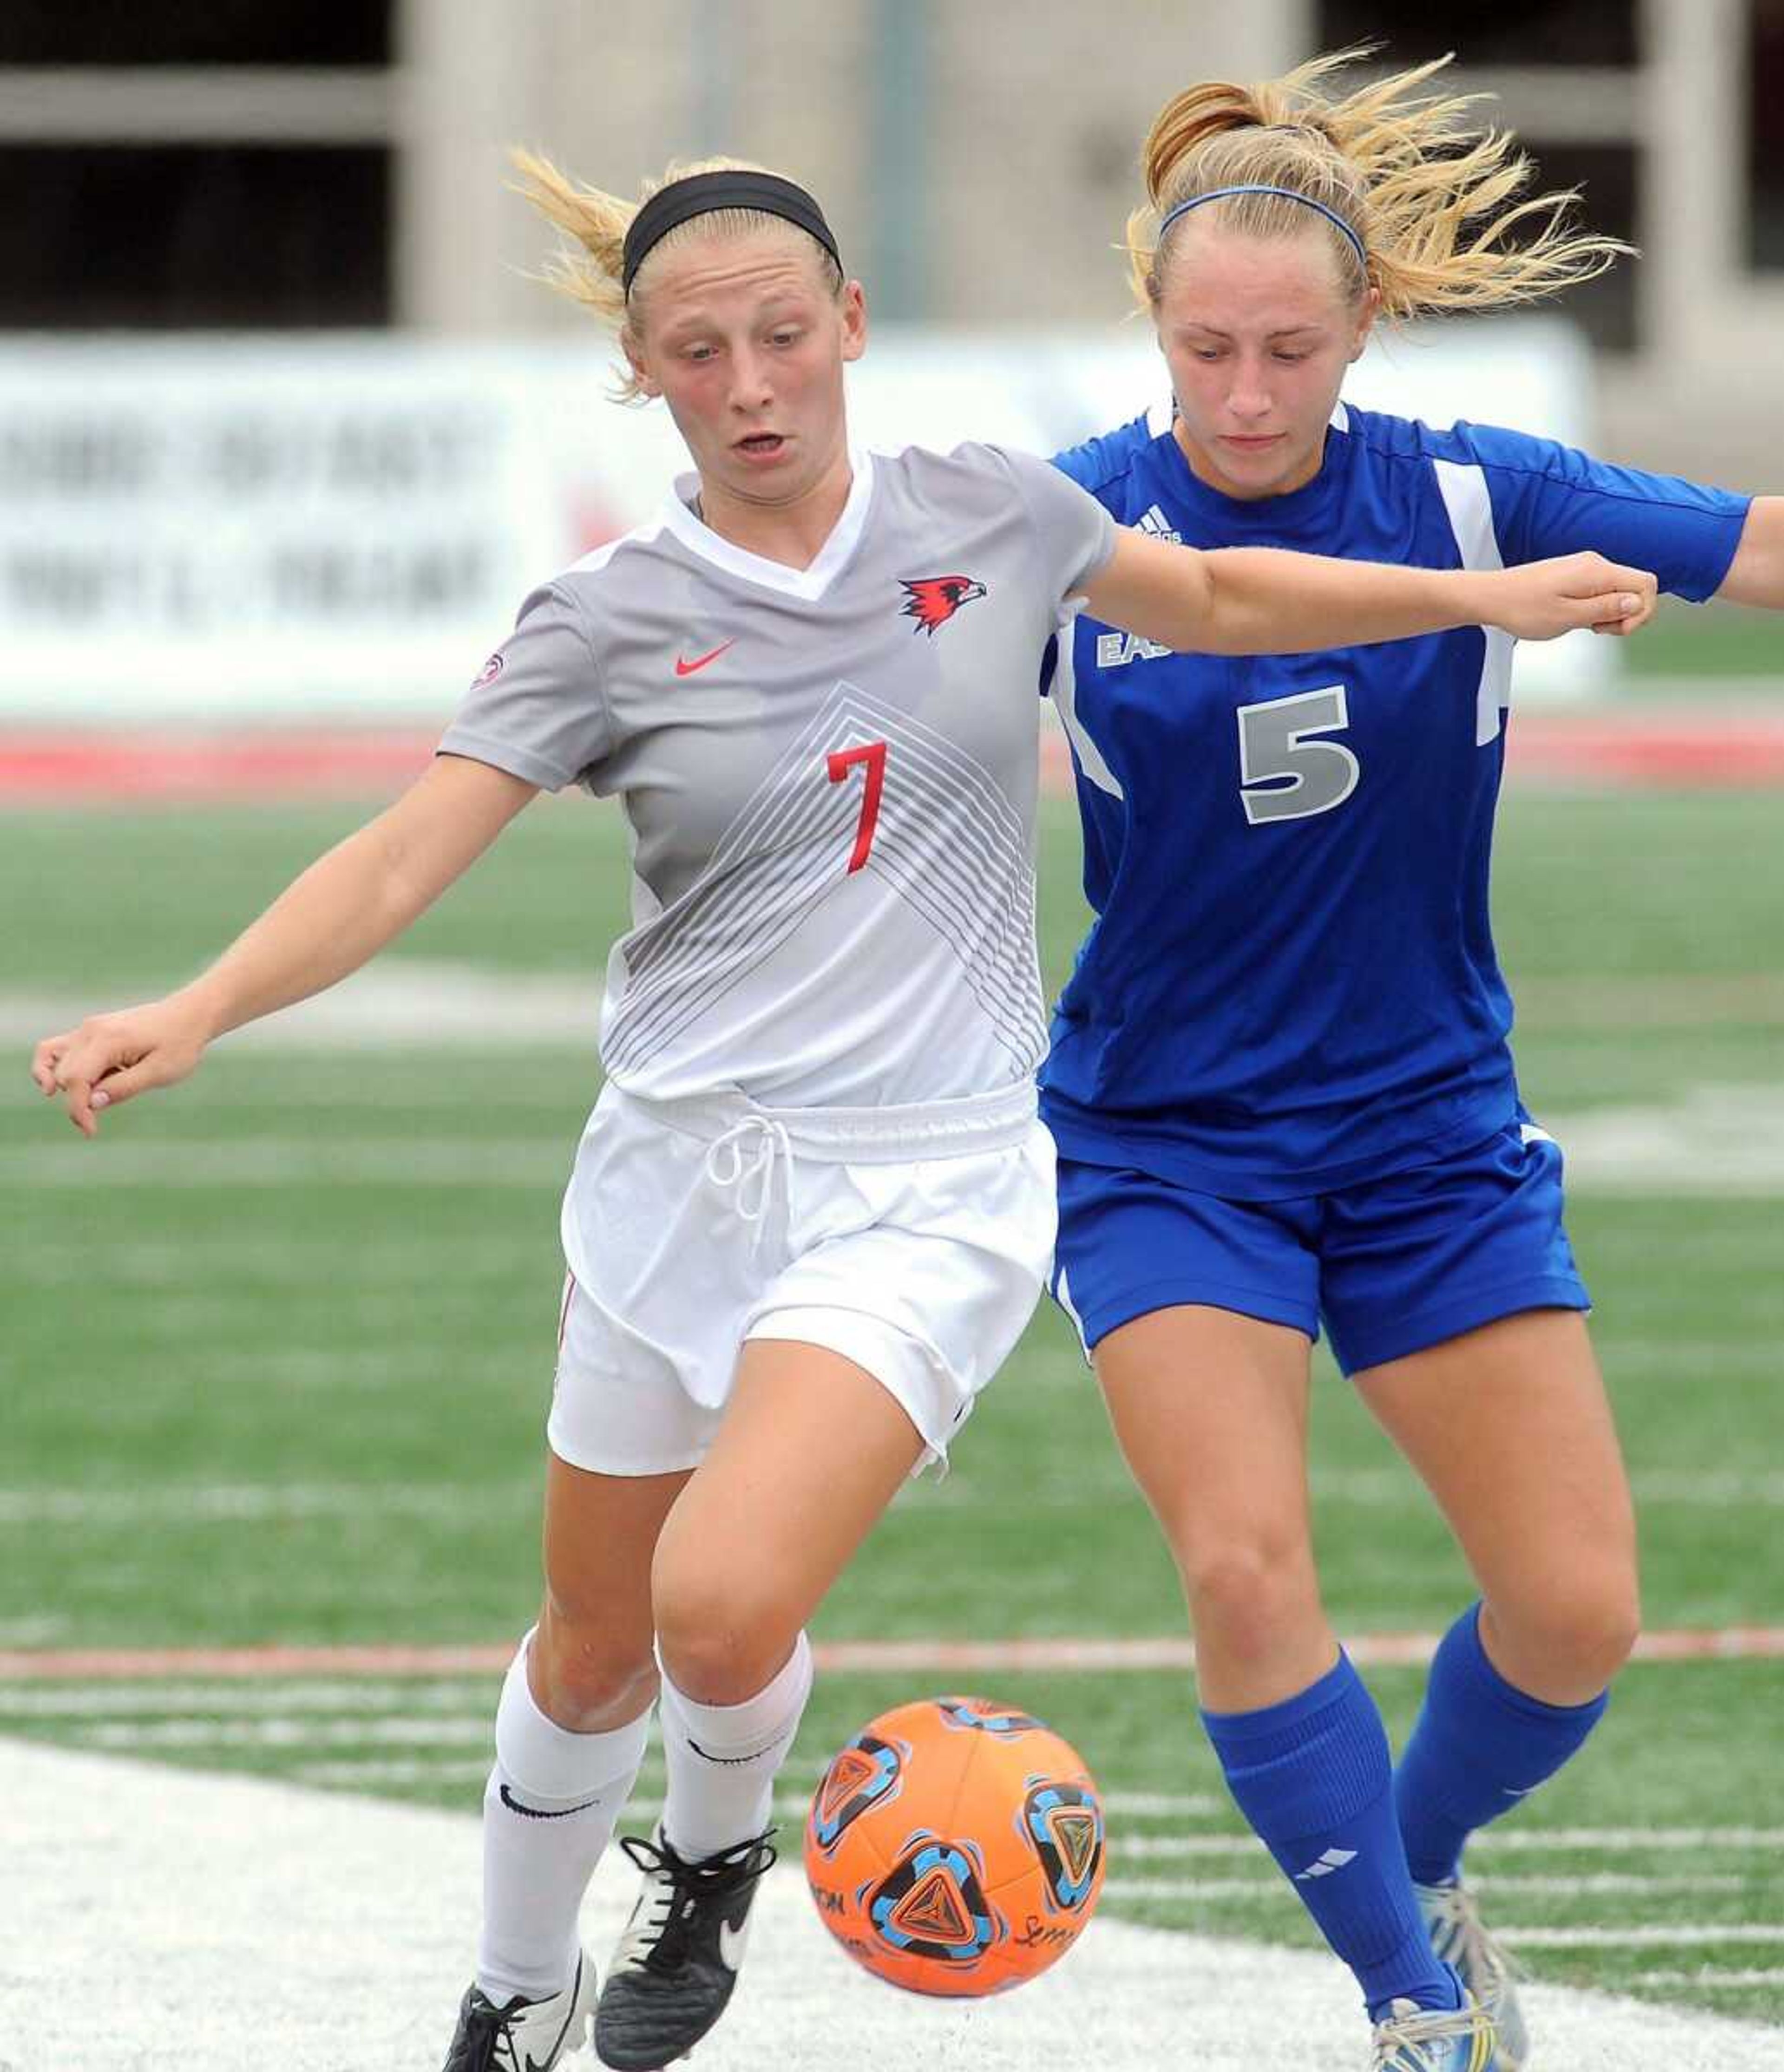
[1430, 202]
[596, 222]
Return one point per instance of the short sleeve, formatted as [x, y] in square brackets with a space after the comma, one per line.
[538, 709]
[1078, 536]
[1549, 499]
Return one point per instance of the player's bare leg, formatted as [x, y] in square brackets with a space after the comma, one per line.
[1211, 1409]
[569, 1734]
[1511, 1429]
[754, 1542]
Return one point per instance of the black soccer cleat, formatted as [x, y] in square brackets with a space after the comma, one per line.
[524, 2035]
[678, 1960]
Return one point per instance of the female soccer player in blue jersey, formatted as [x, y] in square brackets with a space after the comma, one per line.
[1280, 1080]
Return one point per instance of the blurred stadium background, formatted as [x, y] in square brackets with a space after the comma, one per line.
[286, 432]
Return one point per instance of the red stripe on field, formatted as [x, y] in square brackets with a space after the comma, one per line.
[1698, 747]
[916, 1657]
[77, 769]
[1688, 751]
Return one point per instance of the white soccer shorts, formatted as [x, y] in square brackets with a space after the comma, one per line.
[913, 1241]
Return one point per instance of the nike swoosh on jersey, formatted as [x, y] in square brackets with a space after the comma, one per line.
[683, 667]
[533, 1813]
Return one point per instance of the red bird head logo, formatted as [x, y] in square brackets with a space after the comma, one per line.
[932, 601]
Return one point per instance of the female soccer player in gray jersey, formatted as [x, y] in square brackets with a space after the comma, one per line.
[813, 1208]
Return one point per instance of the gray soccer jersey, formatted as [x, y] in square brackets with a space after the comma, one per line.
[829, 775]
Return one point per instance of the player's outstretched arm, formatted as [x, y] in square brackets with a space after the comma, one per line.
[343, 909]
[1756, 575]
[1261, 601]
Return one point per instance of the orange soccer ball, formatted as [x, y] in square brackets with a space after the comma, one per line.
[955, 1847]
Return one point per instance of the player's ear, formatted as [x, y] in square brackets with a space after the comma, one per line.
[640, 373]
[854, 320]
[1367, 314]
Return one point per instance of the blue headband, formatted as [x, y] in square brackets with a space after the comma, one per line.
[1286, 194]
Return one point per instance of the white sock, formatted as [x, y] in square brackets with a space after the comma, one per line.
[548, 1812]
[723, 1760]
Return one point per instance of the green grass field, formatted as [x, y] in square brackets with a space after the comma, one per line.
[277, 1350]
[1712, 649]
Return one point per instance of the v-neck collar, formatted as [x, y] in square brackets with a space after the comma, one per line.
[809, 583]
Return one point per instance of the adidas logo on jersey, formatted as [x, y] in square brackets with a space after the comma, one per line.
[1153, 522]
[1115, 651]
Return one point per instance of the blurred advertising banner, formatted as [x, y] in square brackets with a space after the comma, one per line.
[297, 528]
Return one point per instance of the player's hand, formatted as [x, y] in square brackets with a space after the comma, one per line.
[1544, 599]
[110, 1059]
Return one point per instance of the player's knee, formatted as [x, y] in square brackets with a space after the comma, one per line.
[1585, 1624]
[1247, 1594]
[591, 1673]
[721, 1637]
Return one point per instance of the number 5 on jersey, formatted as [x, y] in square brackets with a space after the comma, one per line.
[1274, 745]
[872, 757]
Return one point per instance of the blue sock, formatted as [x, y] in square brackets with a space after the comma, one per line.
[1313, 1778]
[1480, 1746]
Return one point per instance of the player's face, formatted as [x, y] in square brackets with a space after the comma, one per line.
[1257, 332]
[746, 343]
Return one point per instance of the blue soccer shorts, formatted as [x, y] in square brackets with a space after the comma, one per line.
[1390, 1265]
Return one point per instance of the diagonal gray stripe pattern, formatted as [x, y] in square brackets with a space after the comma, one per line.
[947, 841]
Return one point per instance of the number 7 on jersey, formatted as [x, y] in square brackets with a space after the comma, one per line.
[872, 759]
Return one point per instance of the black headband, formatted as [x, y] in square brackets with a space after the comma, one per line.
[701, 193]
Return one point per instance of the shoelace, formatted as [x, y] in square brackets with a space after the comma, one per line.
[1401, 2042]
[1466, 1942]
[486, 2028]
[689, 1886]
[726, 1165]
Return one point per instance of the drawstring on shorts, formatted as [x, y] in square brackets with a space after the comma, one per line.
[729, 1164]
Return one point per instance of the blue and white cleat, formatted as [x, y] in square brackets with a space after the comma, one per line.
[1452, 1919]
[1420, 2039]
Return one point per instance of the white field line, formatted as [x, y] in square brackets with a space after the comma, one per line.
[372, 1772]
[937, 1658]
[1589, 1884]
[108, 1701]
[277, 1161]
[789, 1805]
[254, 1503]
[401, 1003]
[302, 1925]
[477, 1731]
[1709, 1978]
[305, 1260]
[1682, 1937]
[1610, 1841]
[1715, 1140]
[231, 1503]
[404, 1003]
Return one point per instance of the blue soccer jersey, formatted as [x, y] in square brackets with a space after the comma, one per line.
[1291, 984]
